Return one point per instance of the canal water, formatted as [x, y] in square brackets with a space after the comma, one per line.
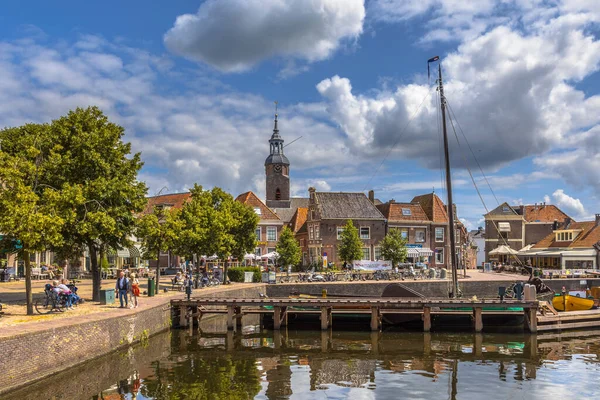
[261, 364]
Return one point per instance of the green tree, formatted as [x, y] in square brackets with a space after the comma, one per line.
[30, 210]
[350, 247]
[288, 248]
[214, 223]
[159, 232]
[393, 247]
[87, 152]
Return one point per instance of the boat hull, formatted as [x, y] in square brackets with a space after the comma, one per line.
[571, 303]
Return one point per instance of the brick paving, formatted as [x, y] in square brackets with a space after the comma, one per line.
[15, 320]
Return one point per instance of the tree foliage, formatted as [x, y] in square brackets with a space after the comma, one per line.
[159, 232]
[87, 152]
[288, 248]
[214, 223]
[31, 211]
[350, 247]
[393, 247]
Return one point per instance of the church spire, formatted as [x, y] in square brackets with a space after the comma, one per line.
[275, 129]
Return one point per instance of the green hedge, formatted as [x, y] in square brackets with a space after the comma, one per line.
[236, 274]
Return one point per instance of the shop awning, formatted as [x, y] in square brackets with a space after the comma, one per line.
[503, 226]
[412, 252]
[130, 252]
[579, 253]
[425, 252]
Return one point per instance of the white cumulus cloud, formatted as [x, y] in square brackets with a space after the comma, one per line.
[234, 35]
[572, 206]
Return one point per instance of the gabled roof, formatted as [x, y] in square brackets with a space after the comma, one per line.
[173, 200]
[398, 212]
[587, 238]
[346, 206]
[253, 201]
[298, 219]
[433, 206]
[286, 214]
[543, 213]
[504, 209]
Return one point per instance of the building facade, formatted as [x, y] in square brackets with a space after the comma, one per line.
[327, 215]
[269, 226]
[519, 226]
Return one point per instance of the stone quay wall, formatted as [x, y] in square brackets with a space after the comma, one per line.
[33, 355]
[481, 289]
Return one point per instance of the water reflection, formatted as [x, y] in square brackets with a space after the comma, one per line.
[254, 363]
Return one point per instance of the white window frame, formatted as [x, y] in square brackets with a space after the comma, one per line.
[258, 251]
[404, 233]
[361, 234]
[377, 253]
[340, 230]
[270, 229]
[439, 252]
[417, 231]
[259, 231]
[368, 249]
[257, 211]
[406, 212]
[310, 232]
[317, 232]
[439, 228]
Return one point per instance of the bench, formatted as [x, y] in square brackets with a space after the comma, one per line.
[36, 273]
[177, 284]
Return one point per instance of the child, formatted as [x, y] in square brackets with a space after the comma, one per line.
[135, 290]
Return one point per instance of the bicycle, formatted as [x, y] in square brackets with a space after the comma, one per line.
[51, 302]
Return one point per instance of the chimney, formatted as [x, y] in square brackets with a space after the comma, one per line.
[392, 201]
[544, 205]
[567, 222]
[555, 225]
[597, 219]
[311, 194]
[372, 196]
[522, 208]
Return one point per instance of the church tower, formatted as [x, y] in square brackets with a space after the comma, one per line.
[277, 168]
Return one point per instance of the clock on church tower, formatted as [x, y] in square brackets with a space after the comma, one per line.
[277, 168]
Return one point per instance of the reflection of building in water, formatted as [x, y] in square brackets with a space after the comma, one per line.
[425, 367]
[351, 373]
[280, 380]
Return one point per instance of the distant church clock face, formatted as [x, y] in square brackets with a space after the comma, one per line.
[277, 168]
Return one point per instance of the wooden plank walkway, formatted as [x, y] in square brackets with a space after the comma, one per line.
[235, 308]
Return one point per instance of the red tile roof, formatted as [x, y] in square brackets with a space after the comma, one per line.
[587, 238]
[393, 212]
[543, 213]
[174, 200]
[433, 206]
[298, 219]
[252, 200]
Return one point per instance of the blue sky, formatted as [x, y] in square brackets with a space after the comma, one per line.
[194, 82]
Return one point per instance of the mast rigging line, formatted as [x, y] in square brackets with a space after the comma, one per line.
[400, 135]
[472, 152]
[477, 187]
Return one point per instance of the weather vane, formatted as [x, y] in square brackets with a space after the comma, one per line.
[276, 104]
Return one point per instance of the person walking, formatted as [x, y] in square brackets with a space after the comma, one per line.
[122, 287]
[135, 290]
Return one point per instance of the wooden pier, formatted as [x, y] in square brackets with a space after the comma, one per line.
[280, 308]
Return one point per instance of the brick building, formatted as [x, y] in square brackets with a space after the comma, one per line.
[519, 226]
[414, 225]
[327, 215]
[166, 201]
[572, 246]
[269, 227]
[424, 223]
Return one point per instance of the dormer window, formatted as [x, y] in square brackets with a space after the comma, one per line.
[257, 210]
[406, 211]
[566, 235]
[505, 209]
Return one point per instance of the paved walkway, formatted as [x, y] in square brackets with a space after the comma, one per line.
[15, 320]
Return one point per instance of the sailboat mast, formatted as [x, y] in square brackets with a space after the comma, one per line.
[450, 207]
